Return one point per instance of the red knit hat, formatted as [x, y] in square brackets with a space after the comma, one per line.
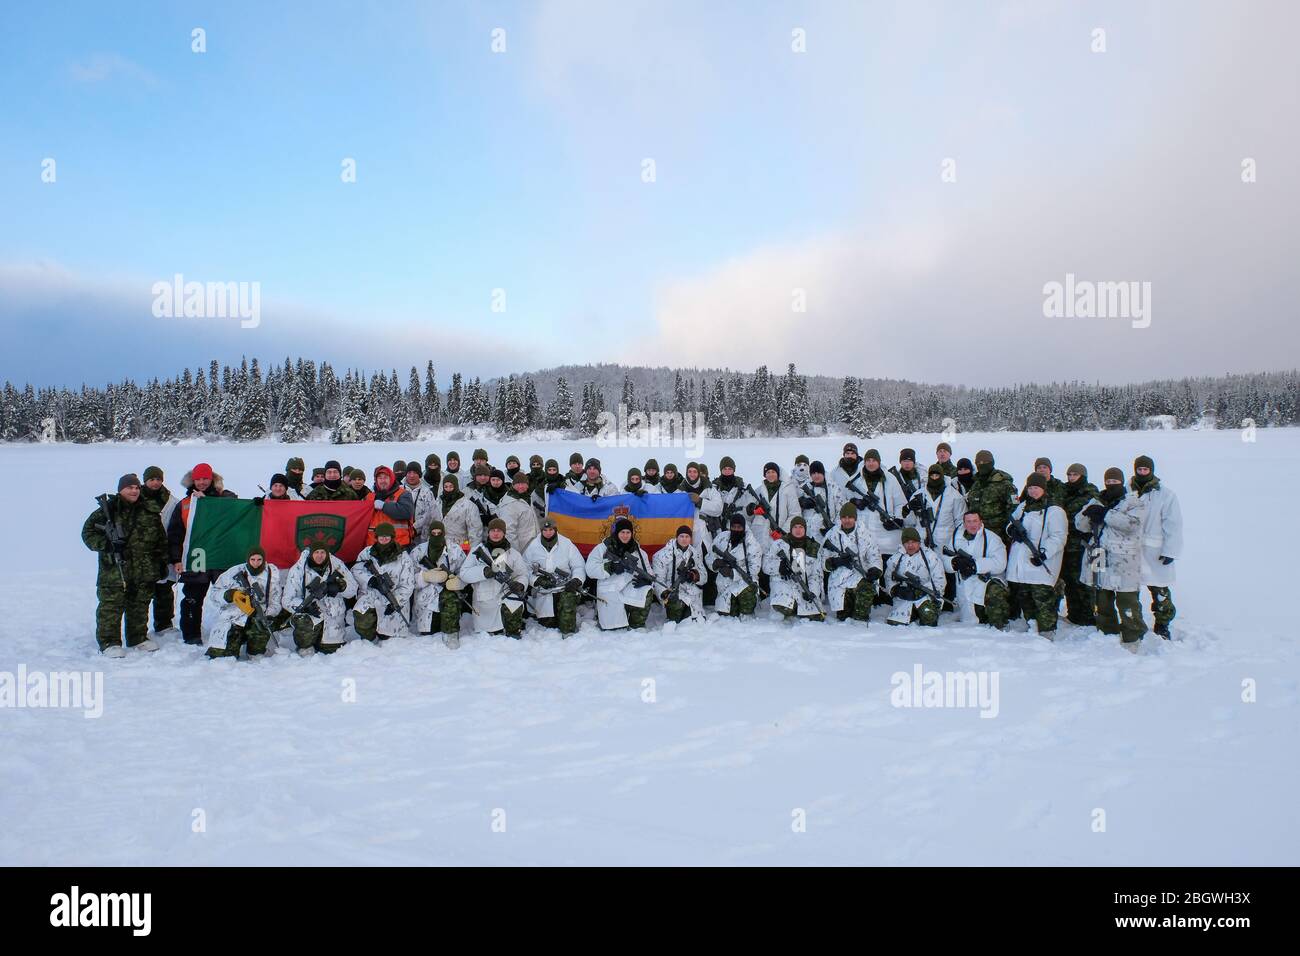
[201, 470]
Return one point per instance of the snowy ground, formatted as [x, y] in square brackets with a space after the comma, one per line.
[753, 727]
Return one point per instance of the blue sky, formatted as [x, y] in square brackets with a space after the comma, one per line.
[522, 171]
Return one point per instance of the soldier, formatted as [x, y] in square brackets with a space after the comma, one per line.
[557, 573]
[392, 506]
[315, 592]
[992, 493]
[819, 502]
[516, 510]
[635, 484]
[480, 457]
[910, 482]
[671, 480]
[1114, 520]
[201, 481]
[594, 484]
[477, 495]
[293, 470]
[965, 477]
[852, 559]
[453, 465]
[911, 575]
[241, 605]
[332, 487]
[573, 479]
[979, 561]
[1055, 487]
[512, 466]
[679, 572]
[355, 479]
[736, 560]
[553, 482]
[650, 474]
[943, 458]
[623, 579]
[1077, 492]
[500, 582]
[132, 549]
[879, 501]
[939, 508]
[1035, 556]
[423, 499]
[317, 479]
[795, 571]
[382, 566]
[848, 466]
[438, 587]
[730, 489]
[1162, 540]
[461, 519]
[432, 477]
[164, 594]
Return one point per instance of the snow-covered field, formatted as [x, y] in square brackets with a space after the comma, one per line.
[757, 742]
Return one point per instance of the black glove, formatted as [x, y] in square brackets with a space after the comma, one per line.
[873, 574]
[491, 574]
[573, 586]
[724, 570]
[890, 523]
[694, 575]
[807, 502]
[1016, 533]
[613, 565]
[1164, 559]
[1035, 562]
[783, 565]
[749, 509]
[1095, 512]
[516, 588]
[391, 609]
[916, 503]
[963, 564]
[374, 582]
[335, 584]
[257, 502]
[861, 504]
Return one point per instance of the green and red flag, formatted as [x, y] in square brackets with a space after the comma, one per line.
[221, 530]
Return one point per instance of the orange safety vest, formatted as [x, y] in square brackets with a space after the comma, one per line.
[404, 531]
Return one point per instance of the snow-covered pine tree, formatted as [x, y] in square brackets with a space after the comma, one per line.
[559, 414]
[432, 406]
[295, 424]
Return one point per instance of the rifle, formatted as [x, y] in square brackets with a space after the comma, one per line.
[1021, 535]
[872, 501]
[857, 560]
[730, 561]
[516, 589]
[484, 512]
[680, 577]
[819, 503]
[259, 607]
[912, 580]
[385, 587]
[630, 565]
[762, 502]
[949, 552]
[116, 539]
[312, 594]
[805, 589]
[927, 515]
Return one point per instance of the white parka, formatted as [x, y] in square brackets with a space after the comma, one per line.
[428, 594]
[1047, 529]
[891, 500]
[617, 590]
[927, 565]
[749, 558]
[783, 505]
[219, 614]
[664, 566]
[332, 608]
[788, 592]
[399, 570]
[1162, 534]
[990, 556]
[860, 541]
[562, 559]
[520, 519]
[490, 595]
[1120, 537]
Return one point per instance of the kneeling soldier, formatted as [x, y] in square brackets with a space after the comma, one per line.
[795, 572]
[978, 560]
[736, 559]
[679, 574]
[915, 579]
[385, 580]
[557, 573]
[316, 590]
[437, 586]
[852, 558]
[242, 602]
[500, 582]
[623, 579]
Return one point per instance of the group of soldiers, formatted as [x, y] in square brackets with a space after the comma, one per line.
[959, 537]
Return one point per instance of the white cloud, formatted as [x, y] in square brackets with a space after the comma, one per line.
[99, 67]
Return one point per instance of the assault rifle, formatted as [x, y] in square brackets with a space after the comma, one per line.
[949, 552]
[1017, 532]
[681, 576]
[926, 515]
[856, 560]
[872, 501]
[311, 596]
[800, 578]
[255, 596]
[385, 587]
[762, 502]
[498, 566]
[628, 564]
[819, 503]
[913, 581]
[730, 561]
[116, 538]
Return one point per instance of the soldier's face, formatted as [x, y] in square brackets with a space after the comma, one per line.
[850, 454]
[670, 473]
[1035, 492]
[153, 484]
[255, 562]
[495, 482]
[412, 479]
[453, 464]
[384, 539]
[521, 487]
[963, 471]
[797, 531]
[1072, 476]
[683, 541]
[553, 470]
[435, 532]
[448, 488]
[277, 490]
[296, 471]
[593, 473]
[1144, 471]
[692, 475]
[907, 464]
[817, 478]
[728, 471]
[319, 556]
[972, 523]
[625, 535]
[202, 484]
[1044, 470]
[770, 475]
[382, 481]
[651, 472]
[575, 468]
[943, 455]
[548, 532]
[332, 474]
[911, 547]
[846, 524]
[495, 535]
[1110, 482]
[131, 493]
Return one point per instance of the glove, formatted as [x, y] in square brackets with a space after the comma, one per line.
[374, 582]
[1095, 512]
[517, 588]
[873, 574]
[391, 609]
[335, 584]
[240, 600]
[573, 585]
[724, 570]
[491, 574]
[1164, 559]
[783, 565]
[379, 505]
[861, 504]
[257, 502]
[1035, 562]
[694, 575]
[430, 575]
[454, 583]
[890, 523]
[751, 509]
[1015, 533]
[613, 566]
[916, 503]
[963, 564]
[807, 503]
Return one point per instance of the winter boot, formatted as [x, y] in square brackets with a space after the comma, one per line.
[148, 644]
[114, 650]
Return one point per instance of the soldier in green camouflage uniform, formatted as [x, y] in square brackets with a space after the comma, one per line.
[992, 494]
[142, 550]
[333, 488]
[943, 459]
[1078, 491]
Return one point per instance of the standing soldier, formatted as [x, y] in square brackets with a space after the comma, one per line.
[332, 487]
[879, 501]
[819, 502]
[423, 499]
[315, 592]
[382, 566]
[1034, 559]
[1077, 492]
[459, 516]
[453, 465]
[1113, 520]
[909, 575]
[201, 482]
[433, 474]
[516, 510]
[243, 602]
[164, 593]
[795, 572]
[943, 458]
[293, 471]
[573, 478]
[979, 560]
[848, 466]
[500, 582]
[437, 586]
[552, 482]
[671, 480]
[965, 479]
[356, 480]
[1055, 487]
[679, 575]
[635, 484]
[992, 493]
[650, 474]
[736, 560]
[132, 549]
[853, 562]
[317, 479]
[939, 508]
[557, 573]
[393, 506]
[594, 484]
[624, 584]
[1162, 540]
